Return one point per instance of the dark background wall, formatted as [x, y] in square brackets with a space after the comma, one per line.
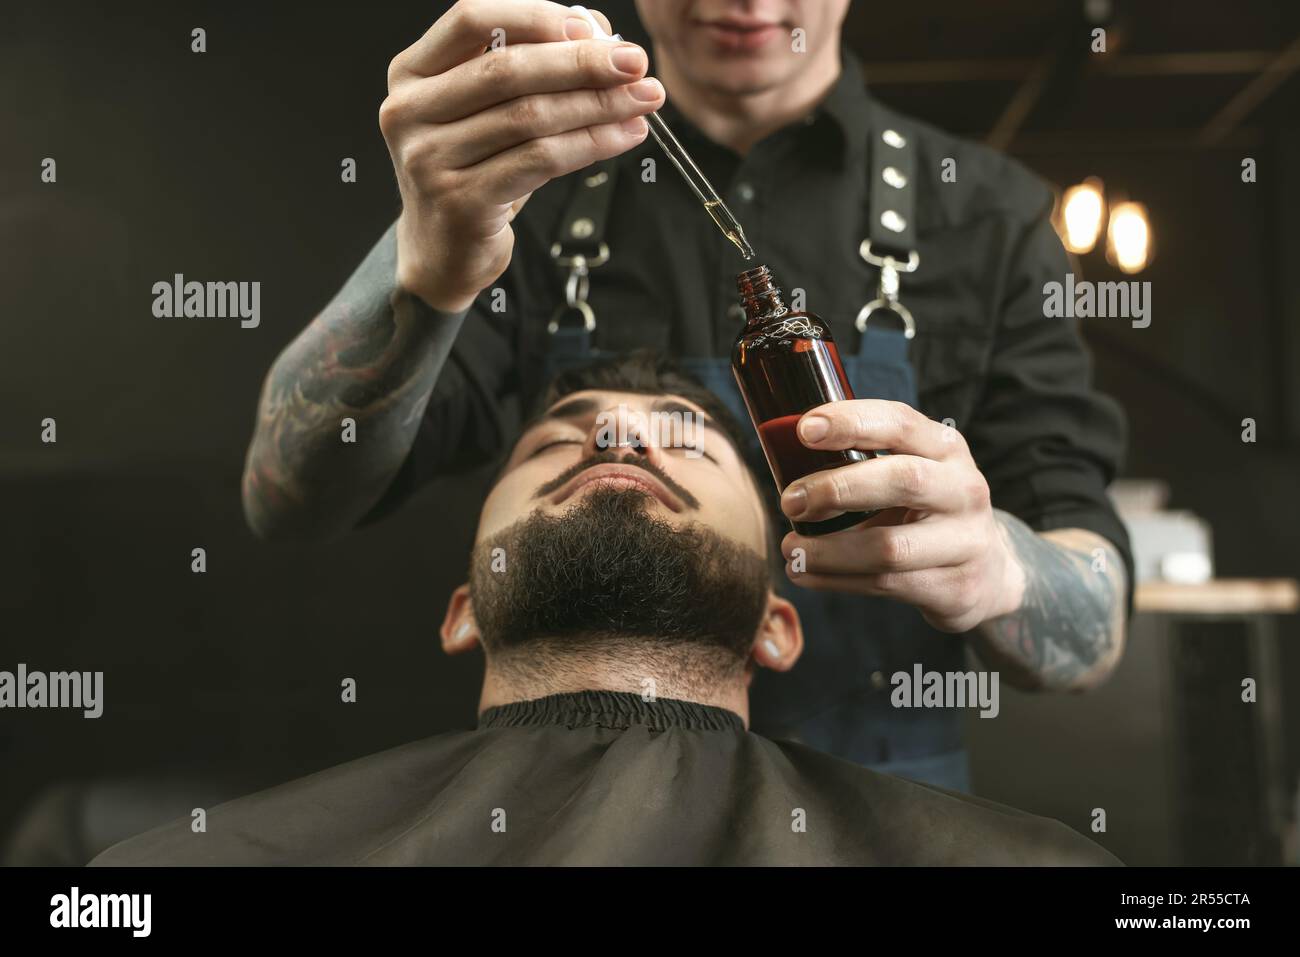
[225, 166]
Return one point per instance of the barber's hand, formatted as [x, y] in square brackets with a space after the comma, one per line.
[473, 133]
[938, 545]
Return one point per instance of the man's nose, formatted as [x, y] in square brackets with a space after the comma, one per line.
[620, 428]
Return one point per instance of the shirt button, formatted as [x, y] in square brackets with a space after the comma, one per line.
[745, 192]
[877, 680]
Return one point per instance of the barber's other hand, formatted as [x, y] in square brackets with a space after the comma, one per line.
[937, 545]
[473, 133]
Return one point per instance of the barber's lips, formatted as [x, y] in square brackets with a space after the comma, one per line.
[741, 35]
[618, 476]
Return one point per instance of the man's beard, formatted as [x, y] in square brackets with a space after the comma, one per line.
[606, 571]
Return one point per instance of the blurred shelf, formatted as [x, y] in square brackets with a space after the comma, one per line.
[1226, 596]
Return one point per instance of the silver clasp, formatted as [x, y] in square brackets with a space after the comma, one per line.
[887, 292]
[577, 286]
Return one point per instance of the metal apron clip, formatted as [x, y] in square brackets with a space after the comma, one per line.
[577, 286]
[580, 246]
[891, 241]
[887, 292]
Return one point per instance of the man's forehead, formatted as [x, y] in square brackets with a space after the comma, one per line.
[590, 402]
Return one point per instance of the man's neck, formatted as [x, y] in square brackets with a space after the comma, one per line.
[740, 121]
[526, 675]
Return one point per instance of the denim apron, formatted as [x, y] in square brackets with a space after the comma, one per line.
[837, 697]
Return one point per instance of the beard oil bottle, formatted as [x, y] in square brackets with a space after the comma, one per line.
[785, 364]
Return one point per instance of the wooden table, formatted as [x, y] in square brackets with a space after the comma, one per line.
[1224, 596]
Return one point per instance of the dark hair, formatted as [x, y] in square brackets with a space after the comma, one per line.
[647, 372]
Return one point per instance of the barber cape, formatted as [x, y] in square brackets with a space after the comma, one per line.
[606, 778]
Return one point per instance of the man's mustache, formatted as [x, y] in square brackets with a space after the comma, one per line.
[612, 456]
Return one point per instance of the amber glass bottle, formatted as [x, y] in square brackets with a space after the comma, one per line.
[785, 364]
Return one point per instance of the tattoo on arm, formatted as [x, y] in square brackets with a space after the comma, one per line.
[372, 355]
[1069, 630]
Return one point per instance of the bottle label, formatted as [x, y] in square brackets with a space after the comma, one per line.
[797, 327]
[800, 326]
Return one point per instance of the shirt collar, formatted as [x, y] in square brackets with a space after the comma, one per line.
[848, 105]
[610, 709]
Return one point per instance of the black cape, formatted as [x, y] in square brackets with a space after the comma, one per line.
[599, 778]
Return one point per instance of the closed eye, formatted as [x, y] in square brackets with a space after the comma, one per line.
[550, 445]
[554, 442]
[687, 452]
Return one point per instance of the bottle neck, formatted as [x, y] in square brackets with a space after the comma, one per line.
[760, 295]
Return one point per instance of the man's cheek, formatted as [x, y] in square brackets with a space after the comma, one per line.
[506, 503]
[734, 516]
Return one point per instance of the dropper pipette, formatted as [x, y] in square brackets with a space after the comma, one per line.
[713, 203]
[698, 182]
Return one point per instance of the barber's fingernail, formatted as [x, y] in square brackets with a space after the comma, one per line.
[634, 126]
[576, 28]
[814, 427]
[628, 59]
[462, 631]
[646, 90]
[794, 501]
[770, 647]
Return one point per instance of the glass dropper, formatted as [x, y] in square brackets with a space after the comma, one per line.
[698, 182]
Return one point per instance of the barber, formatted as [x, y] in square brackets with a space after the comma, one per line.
[539, 228]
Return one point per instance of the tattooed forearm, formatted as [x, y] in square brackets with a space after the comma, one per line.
[372, 355]
[1069, 630]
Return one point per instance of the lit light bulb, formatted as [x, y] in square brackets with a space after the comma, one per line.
[1083, 209]
[1128, 238]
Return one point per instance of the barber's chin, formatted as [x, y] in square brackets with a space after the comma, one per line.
[747, 79]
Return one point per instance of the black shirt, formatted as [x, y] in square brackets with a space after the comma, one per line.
[1015, 383]
[605, 778]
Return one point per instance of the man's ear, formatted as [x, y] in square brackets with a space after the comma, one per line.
[779, 641]
[459, 629]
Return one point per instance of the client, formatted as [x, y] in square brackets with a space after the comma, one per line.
[623, 594]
